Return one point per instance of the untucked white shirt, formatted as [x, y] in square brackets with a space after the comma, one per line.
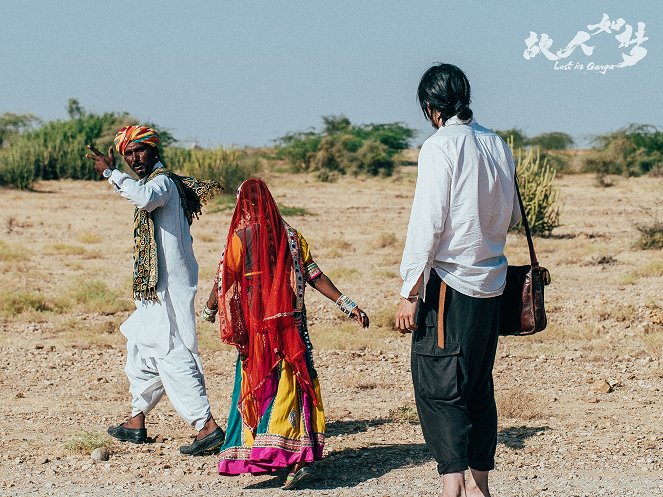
[464, 203]
[153, 324]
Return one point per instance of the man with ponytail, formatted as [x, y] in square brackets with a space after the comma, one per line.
[454, 271]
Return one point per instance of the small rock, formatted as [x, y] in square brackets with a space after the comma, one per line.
[39, 346]
[159, 439]
[43, 460]
[603, 386]
[20, 395]
[100, 454]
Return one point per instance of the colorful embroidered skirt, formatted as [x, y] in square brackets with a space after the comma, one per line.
[292, 429]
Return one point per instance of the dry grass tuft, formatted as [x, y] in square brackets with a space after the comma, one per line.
[16, 303]
[290, 211]
[84, 442]
[346, 335]
[95, 297]
[650, 270]
[64, 249]
[13, 253]
[384, 318]
[404, 414]
[652, 338]
[619, 313]
[87, 237]
[334, 247]
[384, 240]
[517, 404]
[342, 273]
[651, 236]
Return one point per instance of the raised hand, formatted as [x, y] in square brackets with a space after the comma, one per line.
[101, 161]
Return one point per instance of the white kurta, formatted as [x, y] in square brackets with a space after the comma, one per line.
[154, 325]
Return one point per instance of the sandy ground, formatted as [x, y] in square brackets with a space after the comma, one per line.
[580, 404]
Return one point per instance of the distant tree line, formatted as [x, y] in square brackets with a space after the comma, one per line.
[32, 150]
[341, 147]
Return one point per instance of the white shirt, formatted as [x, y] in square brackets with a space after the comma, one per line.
[464, 203]
[153, 323]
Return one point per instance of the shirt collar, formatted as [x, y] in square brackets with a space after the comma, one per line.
[156, 166]
[456, 120]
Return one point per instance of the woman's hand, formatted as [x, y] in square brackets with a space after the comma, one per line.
[360, 316]
[405, 315]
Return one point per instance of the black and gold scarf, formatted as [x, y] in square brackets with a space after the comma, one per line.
[194, 193]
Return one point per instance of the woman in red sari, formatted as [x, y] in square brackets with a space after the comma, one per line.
[277, 418]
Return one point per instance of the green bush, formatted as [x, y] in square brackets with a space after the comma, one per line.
[555, 140]
[342, 147]
[536, 180]
[631, 151]
[651, 236]
[514, 136]
[228, 166]
[55, 149]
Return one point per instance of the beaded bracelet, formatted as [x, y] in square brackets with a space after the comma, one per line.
[345, 304]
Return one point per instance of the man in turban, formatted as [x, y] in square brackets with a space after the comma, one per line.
[162, 349]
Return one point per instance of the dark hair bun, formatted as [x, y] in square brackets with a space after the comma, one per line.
[463, 111]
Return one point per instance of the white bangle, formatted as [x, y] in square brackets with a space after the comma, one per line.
[345, 304]
[208, 314]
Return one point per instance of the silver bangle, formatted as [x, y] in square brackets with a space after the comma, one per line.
[345, 304]
[208, 314]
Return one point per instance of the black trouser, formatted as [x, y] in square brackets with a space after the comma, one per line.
[454, 386]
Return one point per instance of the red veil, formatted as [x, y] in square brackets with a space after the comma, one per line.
[257, 299]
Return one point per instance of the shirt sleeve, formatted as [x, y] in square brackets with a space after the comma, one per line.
[148, 196]
[429, 212]
[311, 270]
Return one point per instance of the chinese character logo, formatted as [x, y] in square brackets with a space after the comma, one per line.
[630, 46]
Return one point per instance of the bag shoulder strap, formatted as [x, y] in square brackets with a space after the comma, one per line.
[532, 254]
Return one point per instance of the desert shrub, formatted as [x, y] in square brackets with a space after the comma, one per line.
[15, 303]
[631, 151]
[515, 136]
[12, 125]
[404, 414]
[518, 404]
[228, 166]
[651, 235]
[84, 442]
[342, 147]
[555, 140]
[95, 296]
[289, 211]
[56, 149]
[298, 149]
[540, 195]
[384, 240]
[13, 253]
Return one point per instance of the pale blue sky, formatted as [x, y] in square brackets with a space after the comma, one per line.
[246, 72]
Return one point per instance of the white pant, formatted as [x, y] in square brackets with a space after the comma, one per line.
[179, 375]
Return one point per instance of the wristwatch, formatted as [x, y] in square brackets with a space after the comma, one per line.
[107, 172]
